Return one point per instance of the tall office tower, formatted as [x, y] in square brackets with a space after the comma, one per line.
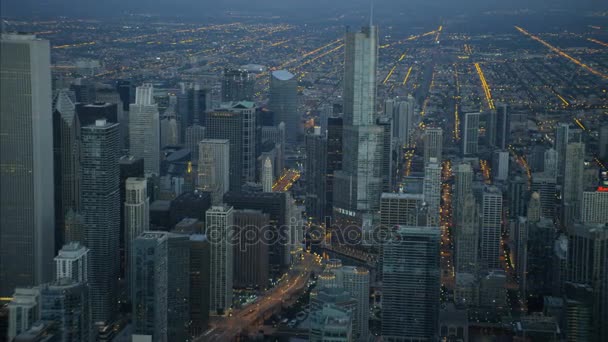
[66, 157]
[66, 303]
[129, 167]
[213, 167]
[503, 126]
[199, 283]
[137, 215]
[359, 182]
[491, 223]
[23, 310]
[149, 284]
[355, 280]
[500, 165]
[275, 205]
[192, 103]
[267, 177]
[74, 227]
[144, 129]
[194, 135]
[550, 165]
[316, 166]
[334, 156]
[470, 134]
[386, 171]
[178, 308]
[250, 249]
[432, 191]
[27, 211]
[517, 196]
[169, 130]
[603, 142]
[546, 188]
[588, 265]
[411, 284]
[84, 90]
[101, 211]
[593, 207]
[402, 113]
[400, 209]
[562, 133]
[330, 323]
[219, 220]
[534, 208]
[463, 182]
[283, 101]
[573, 181]
[467, 236]
[73, 262]
[433, 144]
[89, 113]
[235, 121]
[127, 94]
[237, 85]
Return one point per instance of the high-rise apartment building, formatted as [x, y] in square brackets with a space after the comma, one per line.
[137, 215]
[400, 209]
[574, 166]
[23, 310]
[267, 175]
[433, 144]
[491, 224]
[27, 208]
[144, 129]
[355, 280]
[101, 211]
[432, 191]
[467, 236]
[411, 285]
[66, 303]
[219, 220]
[283, 101]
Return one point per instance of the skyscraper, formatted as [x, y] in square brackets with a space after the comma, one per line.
[137, 215]
[402, 113]
[330, 323]
[235, 121]
[463, 181]
[386, 164]
[73, 262]
[27, 211]
[219, 220]
[491, 224]
[101, 211]
[574, 167]
[191, 106]
[66, 302]
[588, 263]
[316, 165]
[400, 209]
[250, 249]
[358, 185]
[593, 207]
[237, 85]
[356, 281]
[603, 142]
[194, 134]
[411, 284]
[433, 144]
[66, 157]
[267, 177]
[144, 129]
[283, 101]
[23, 310]
[467, 236]
[213, 167]
[470, 134]
[432, 191]
[500, 165]
[334, 156]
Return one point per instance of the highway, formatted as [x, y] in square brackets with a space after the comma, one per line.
[224, 329]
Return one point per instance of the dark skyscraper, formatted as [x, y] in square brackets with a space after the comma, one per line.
[334, 156]
[101, 211]
[316, 166]
[250, 249]
[237, 85]
[191, 106]
[283, 101]
[129, 167]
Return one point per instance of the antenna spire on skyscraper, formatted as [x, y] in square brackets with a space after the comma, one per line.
[371, 13]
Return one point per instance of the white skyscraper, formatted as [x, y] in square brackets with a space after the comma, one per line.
[355, 280]
[491, 224]
[283, 101]
[137, 214]
[467, 236]
[218, 221]
[267, 175]
[144, 129]
[213, 165]
[550, 163]
[27, 211]
[23, 310]
[402, 111]
[433, 144]
[463, 183]
[72, 262]
[432, 191]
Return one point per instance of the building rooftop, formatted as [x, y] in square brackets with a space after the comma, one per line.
[282, 75]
